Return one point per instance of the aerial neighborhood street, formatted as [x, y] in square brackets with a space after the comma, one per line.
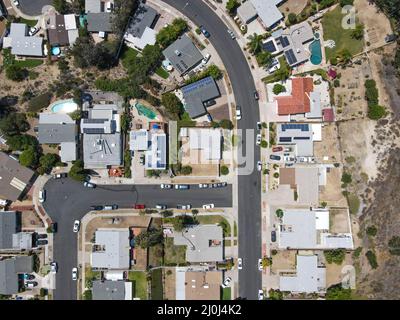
[199, 149]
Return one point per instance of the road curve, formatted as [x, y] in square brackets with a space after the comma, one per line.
[249, 197]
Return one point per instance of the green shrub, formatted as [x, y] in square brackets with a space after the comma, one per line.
[40, 102]
[371, 257]
[224, 170]
[264, 144]
[371, 231]
[337, 292]
[278, 88]
[335, 256]
[346, 178]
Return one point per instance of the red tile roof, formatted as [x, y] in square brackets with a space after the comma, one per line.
[328, 115]
[299, 101]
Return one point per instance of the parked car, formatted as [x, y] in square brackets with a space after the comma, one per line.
[302, 159]
[203, 185]
[32, 31]
[273, 68]
[53, 267]
[258, 139]
[89, 185]
[209, 117]
[232, 34]
[53, 227]
[227, 282]
[41, 242]
[28, 276]
[289, 159]
[184, 206]
[259, 125]
[42, 196]
[239, 263]
[110, 207]
[288, 149]
[206, 58]
[74, 274]
[259, 165]
[142, 159]
[204, 31]
[97, 208]
[256, 95]
[208, 206]
[16, 3]
[260, 265]
[182, 186]
[166, 186]
[273, 236]
[274, 157]
[139, 206]
[109, 6]
[60, 175]
[31, 284]
[77, 224]
[260, 294]
[238, 112]
[277, 149]
[42, 236]
[161, 206]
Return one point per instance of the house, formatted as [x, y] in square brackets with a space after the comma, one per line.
[15, 179]
[183, 55]
[111, 290]
[292, 42]
[102, 142]
[246, 12]
[266, 10]
[58, 128]
[111, 249]
[308, 277]
[21, 44]
[62, 30]
[194, 96]
[98, 17]
[140, 30]
[198, 285]
[310, 229]
[204, 243]
[11, 237]
[10, 269]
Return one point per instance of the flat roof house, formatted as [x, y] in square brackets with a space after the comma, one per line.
[205, 144]
[204, 243]
[183, 55]
[9, 270]
[156, 155]
[15, 179]
[11, 237]
[62, 30]
[246, 12]
[195, 95]
[55, 128]
[140, 30]
[308, 276]
[198, 285]
[21, 44]
[111, 290]
[111, 249]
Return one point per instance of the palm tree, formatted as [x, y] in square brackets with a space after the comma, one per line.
[255, 43]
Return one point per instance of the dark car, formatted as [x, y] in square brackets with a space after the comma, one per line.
[204, 31]
[53, 227]
[96, 207]
[28, 276]
[274, 157]
[60, 175]
[41, 242]
[42, 236]
[273, 236]
[209, 117]
[256, 96]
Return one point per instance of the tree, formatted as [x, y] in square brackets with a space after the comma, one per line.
[224, 170]
[231, 6]
[346, 3]
[125, 121]
[372, 231]
[371, 257]
[346, 178]
[180, 222]
[172, 104]
[278, 88]
[226, 124]
[149, 238]
[336, 256]
[376, 112]
[344, 55]
[337, 292]
[123, 9]
[279, 213]
[396, 61]
[171, 32]
[292, 18]
[77, 171]
[22, 142]
[264, 58]
[48, 161]
[394, 246]
[358, 32]
[61, 6]
[264, 144]
[255, 43]
[29, 157]
[186, 170]
[16, 73]
[275, 294]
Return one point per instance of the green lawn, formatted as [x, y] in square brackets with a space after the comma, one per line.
[216, 220]
[331, 24]
[28, 63]
[128, 54]
[174, 254]
[139, 286]
[156, 285]
[162, 73]
[281, 74]
[226, 293]
[354, 203]
[30, 23]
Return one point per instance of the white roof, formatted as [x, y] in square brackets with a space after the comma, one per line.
[317, 131]
[156, 155]
[268, 11]
[72, 36]
[207, 140]
[70, 21]
[68, 151]
[148, 38]
[139, 140]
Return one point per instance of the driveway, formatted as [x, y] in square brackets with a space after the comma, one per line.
[33, 7]
[68, 200]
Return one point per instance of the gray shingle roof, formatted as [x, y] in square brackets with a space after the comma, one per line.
[93, 6]
[108, 290]
[8, 226]
[59, 35]
[56, 128]
[142, 18]
[9, 268]
[97, 22]
[183, 54]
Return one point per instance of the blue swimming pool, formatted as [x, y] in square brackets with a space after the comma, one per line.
[64, 106]
[55, 51]
[316, 52]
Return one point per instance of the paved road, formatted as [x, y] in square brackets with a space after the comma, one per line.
[68, 200]
[33, 7]
[249, 196]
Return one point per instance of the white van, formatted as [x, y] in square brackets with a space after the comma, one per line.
[42, 196]
[109, 6]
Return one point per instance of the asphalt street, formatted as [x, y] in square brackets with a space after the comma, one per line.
[33, 7]
[249, 196]
[67, 200]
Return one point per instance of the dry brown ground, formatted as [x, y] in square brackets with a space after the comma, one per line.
[283, 260]
[329, 145]
[293, 6]
[169, 284]
[331, 193]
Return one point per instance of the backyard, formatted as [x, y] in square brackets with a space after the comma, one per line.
[156, 285]
[173, 255]
[343, 40]
[139, 284]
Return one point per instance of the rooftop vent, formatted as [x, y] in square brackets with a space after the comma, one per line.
[178, 53]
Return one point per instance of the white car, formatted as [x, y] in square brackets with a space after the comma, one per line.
[208, 206]
[16, 3]
[32, 31]
[239, 263]
[273, 68]
[259, 165]
[89, 185]
[226, 283]
[77, 223]
[203, 185]
[260, 294]
[74, 274]
[184, 206]
[206, 58]
[258, 139]
[238, 113]
[232, 34]
[166, 186]
[161, 206]
[42, 196]
[53, 267]
[260, 265]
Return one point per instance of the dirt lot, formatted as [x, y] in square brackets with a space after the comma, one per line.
[331, 193]
[169, 284]
[283, 260]
[339, 222]
[334, 272]
[30, 220]
[329, 146]
[293, 6]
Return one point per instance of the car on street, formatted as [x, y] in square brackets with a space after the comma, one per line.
[60, 175]
[273, 236]
[259, 125]
[204, 31]
[110, 207]
[77, 224]
[53, 227]
[260, 265]
[260, 294]
[239, 263]
[259, 165]
[203, 185]
[89, 184]
[277, 149]
[184, 206]
[208, 206]
[166, 186]
[16, 3]
[258, 139]
[32, 31]
[53, 267]
[238, 112]
[74, 274]
[232, 34]
[182, 186]
[28, 276]
[274, 157]
[41, 242]
[139, 206]
[256, 95]
[42, 236]
[161, 206]
[31, 284]
[97, 208]
[42, 196]
[227, 282]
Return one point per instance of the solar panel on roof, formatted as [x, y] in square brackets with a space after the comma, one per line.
[290, 57]
[93, 130]
[284, 42]
[269, 46]
[301, 138]
[94, 120]
[285, 139]
[295, 126]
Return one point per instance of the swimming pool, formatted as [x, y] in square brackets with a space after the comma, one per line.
[55, 51]
[316, 53]
[64, 106]
[143, 110]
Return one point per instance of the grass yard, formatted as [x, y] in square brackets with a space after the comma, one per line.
[331, 24]
[156, 285]
[139, 286]
[28, 63]
[30, 23]
[226, 293]
[156, 255]
[354, 203]
[216, 220]
[128, 54]
[173, 255]
[162, 73]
